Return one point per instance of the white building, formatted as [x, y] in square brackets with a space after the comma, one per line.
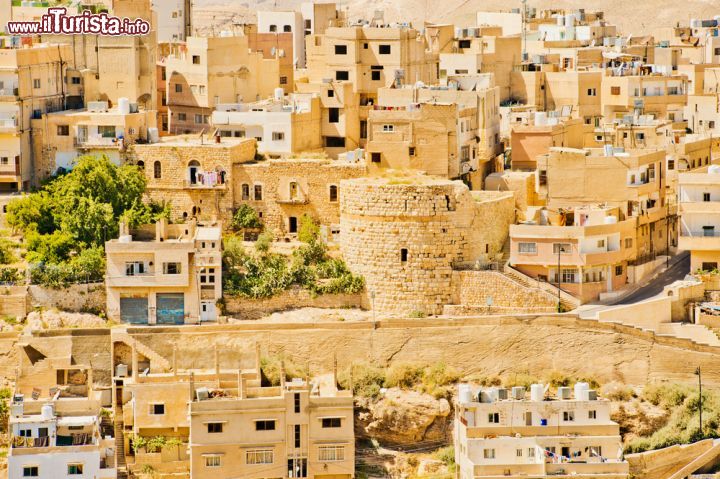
[499, 432]
[281, 126]
[174, 20]
[699, 201]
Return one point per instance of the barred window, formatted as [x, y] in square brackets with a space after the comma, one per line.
[331, 453]
[259, 456]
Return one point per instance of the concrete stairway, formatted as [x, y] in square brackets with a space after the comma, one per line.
[158, 363]
[694, 332]
[699, 462]
[120, 462]
[568, 301]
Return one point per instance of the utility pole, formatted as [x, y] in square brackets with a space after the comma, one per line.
[667, 233]
[697, 371]
[559, 305]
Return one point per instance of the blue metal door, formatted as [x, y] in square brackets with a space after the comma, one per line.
[170, 308]
[134, 310]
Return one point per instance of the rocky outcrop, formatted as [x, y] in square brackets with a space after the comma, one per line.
[405, 417]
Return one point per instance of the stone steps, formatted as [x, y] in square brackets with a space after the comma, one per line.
[157, 362]
[694, 332]
[566, 300]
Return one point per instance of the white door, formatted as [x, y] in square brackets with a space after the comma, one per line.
[207, 311]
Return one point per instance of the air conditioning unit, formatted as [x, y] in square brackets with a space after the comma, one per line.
[502, 394]
[518, 393]
[202, 394]
[564, 393]
[592, 395]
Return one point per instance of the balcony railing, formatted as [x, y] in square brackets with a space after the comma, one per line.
[10, 91]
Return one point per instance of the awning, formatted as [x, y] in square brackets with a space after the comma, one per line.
[76, 421]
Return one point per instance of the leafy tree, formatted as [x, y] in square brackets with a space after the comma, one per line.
[7, 255]
[245, 217]
[309, 229]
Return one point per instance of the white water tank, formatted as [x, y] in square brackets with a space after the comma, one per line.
[47, 411]
[537, 392]
[581, 391]
[279, 94]
[714, 169]
[123, 106]
[610, 220]
[121, 370]
[540, 118]
[465, 394]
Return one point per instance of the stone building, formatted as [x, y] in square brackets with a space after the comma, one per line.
[284, 190]
[193, 174]
[406, 234]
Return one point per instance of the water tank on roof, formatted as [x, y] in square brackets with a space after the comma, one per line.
[47, 411]
[124, 106]
[121, 370]
[537, 392]
[540, 118]
[581, 390]
[564, 393]
[465, 394]
[714, 169]
[279, 93]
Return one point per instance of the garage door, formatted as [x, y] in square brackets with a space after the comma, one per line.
[170, 308]
[134, 310]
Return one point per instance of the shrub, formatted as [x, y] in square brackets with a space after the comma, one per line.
[10, 275]
[403, 375]
[439, 379]
[367, 380]
[271, 366]
[7, 251]
[308, 230]
[447, 456]
[245, 217]
[262, 245]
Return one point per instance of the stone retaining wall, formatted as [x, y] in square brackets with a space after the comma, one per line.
[471, 290]
[244, 308]
[76, 298]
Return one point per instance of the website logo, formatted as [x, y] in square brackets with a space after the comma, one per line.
[57, 22]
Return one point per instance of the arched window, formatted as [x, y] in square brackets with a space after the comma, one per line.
[193, 172]
[141, 164]
[293, 190]
[157, 170]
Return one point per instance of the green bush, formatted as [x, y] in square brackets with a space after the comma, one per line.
[10, 275]
[439, 379]
[262, 245]
[447, 456]
[308, 230]
[272, 365]
[7, 251]
[404, 375]
[245, 217]
[367, 380]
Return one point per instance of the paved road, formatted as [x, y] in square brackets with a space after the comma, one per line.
[676, 272]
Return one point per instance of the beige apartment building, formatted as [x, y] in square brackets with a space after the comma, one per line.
[438, 138]
[503, 433]
[698, 200]
[229, 421]
[625, 91]
[193, 174]
[55, 424]
[31, 84]
[370, 58]
[341, 128]
[164, 274]
[60, 137]
[207, 71]
[536, 133]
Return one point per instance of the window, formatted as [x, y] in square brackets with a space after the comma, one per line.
[708, 230]
[106, 131]
[411, 151]
[328, 422]
[375, 157]
[592, 92]
[518, 452]
[297, 435]
[601, 243]
[340, 49]
[671, 164]
[134, 268]
[592, 414]
[331, 93]
[489, 453]
[157, 409]
[333, 115]
[245, 192]
[404, 255]
[157, 170]
[375, 75]
[342, 75]
[178, 88]
[196, 59]
[568, 416]
[214, 427]
[628, 243]
[75, 469]
[706, 196]
[265, 425]
[25, 432]
[198, 119]
[30, 471]
[273, 28]
[172, 268]
[259, 456]
[4, 160]
[494, 418]
[388, 128]
[287, 28]
[213, 461]
[384, 49]
[297, 403]
[365, 46]
[615, 90]
[283, 80]
[333, 193]
[527, 248]
[75, 80]
[258, 192]
[618, 270]
[542, 177]
[561, 248]
[36, 83]
[63, 130]
[335, 141]
[278, 136]
[331, 453]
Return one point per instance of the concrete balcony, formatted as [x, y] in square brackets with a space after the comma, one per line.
[8, 125]
[598, 430]
[699, 241]
[608, 470]
[148, 280]
[202, 186]
[97, 142]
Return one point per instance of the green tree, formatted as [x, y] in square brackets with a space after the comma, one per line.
[245, 217]
[309, 229]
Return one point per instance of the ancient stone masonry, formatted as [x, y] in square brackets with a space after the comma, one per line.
[405, 235]
[290, 188]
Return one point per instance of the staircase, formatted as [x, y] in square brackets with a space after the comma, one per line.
[699, 462]
[694, 332]
[568, 301]
[120, 463]
[157, 362]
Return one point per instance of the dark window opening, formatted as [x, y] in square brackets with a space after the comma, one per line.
[404, 255]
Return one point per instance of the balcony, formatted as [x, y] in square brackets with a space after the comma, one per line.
[707, 240]
[202, 186]
[8, 93]
[148, 280]
[293, 201]
[610, 468]
[8, 125]
[97, 142]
